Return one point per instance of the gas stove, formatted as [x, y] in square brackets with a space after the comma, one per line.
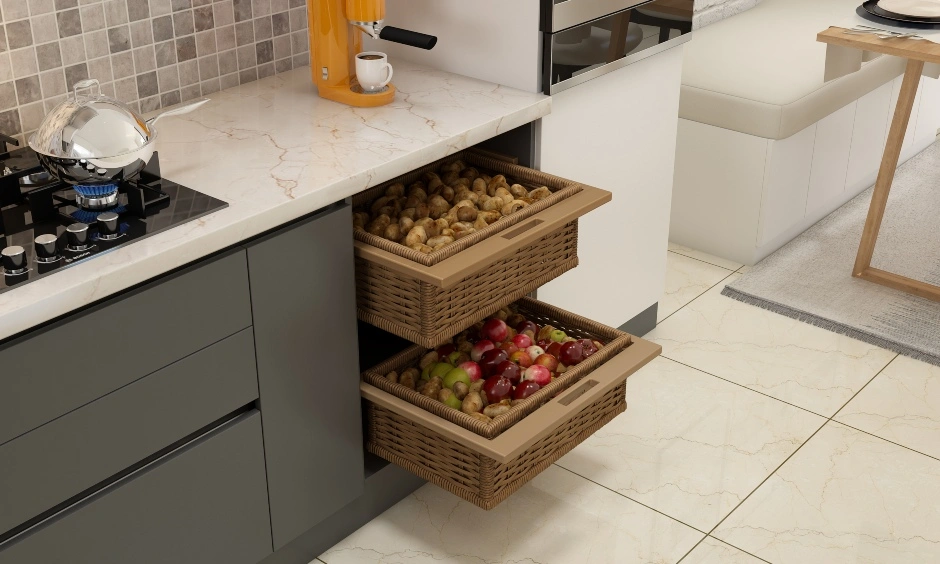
[47, 226]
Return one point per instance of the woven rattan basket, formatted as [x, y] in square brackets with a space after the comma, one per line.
[542, 314]
[427, 299]
[487, 471]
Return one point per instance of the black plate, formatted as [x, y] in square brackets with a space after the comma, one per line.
[871, 12]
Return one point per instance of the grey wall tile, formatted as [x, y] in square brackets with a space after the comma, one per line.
[183, 23]
[265, 70]
[65, 4]
[31, 116]
[48, 56]
[298, 42]
[28, 90]
[205, 43]
[244, 33]
[281, 23]
[100, 69]
[97, 44]
[210, 86]
[168, 79]
[7, 95]
[223, 13]
[279, 6]
[49, 103]
[160, 7]
[197, 3]
[144, 59]
[298, 19]
[37, 7]
[149, 104]
[92, 17]
[246, 57]
[170, 98]
[122, 64]
[179, 5]
[53, 83]
[263, 28]
[260, 8]
[10, 121]
[301, 60]
[115, 12]
[19, 34]
[147, 84]
[75, 73]
[229, 80]
[137, 10]
[108, 90]
[264, 51]
[165, 53]
[297, 3]
[6, 67]
[282, 47]
[249, 75]
[24, 62]
[141, 33]
[209, 67]
[3, 39]
[282, 65]
[203, 18]
[225, 38]
[162, 28]
[125, 89]
[119, 38]
[242, 10]
[228, 62]
[188, 93]
[186, 48]
[70, 22]
[73, 50]
[189, 72]
[14, 9]
[45, 28]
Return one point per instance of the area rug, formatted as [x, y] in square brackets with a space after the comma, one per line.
[810, 278]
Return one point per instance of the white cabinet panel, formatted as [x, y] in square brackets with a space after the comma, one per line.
[830, 157]
[928, 118]
[868, 138]
[617, 132]
[786, 183]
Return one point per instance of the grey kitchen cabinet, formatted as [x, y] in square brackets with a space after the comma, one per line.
[204, 503]
[304, 309]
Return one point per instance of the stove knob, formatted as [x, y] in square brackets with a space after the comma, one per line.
[77, 234]
[46, 250]
[13, 259]
[108, 225]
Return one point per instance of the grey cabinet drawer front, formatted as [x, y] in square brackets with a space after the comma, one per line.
[98, 351]
[304, 304]
[63, 458]
[205, 503]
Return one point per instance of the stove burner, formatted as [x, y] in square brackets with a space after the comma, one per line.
[101, 197]
[89, 217]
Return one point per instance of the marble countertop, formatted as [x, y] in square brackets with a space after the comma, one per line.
[275, 151]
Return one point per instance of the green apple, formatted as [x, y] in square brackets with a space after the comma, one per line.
[557, 335]
[456, 375]
[441, 369]
[452, 401]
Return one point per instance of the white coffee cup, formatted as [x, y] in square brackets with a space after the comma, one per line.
[371, 70]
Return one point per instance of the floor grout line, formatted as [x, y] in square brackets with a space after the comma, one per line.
[630, 498]
[724, 543]
[730, 274]
[703, 260]
[884, 439]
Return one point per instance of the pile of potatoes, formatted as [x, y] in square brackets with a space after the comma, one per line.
[443, 207]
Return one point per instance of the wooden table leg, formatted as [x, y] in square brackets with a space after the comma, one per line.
[889, 164]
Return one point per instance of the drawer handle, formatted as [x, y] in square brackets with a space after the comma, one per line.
[520, 229]
[576, 392]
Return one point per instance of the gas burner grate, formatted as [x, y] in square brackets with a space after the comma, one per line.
[89, 217]
[96, 191]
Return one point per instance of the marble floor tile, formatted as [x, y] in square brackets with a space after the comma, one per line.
[845, 497]
[686, 279]
[902, 404]
[691, 445]
[712, 259]
[787, 359]
[556, 518]
[713, 551]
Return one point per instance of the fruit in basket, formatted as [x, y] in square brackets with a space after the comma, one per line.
[448, 398]
[590, 347]
[525, 389]
[571, 353]
[495, 410]
[534, 351]
[495, 330]
[472, 403]
[549, 361]
[445, 349]
[521, 358]
[432, 388]
[558, 336]
[441, 369]
[491, 359]
[456, 375]
[457, 358]
[528, 328]
[409, 378]
[461, 390]
[553, 349]
[472, 369]
[497, 389]
[515, 319]
[476, 353]
[522, 341]
[509, 370]
[509, 347]
[429, 358]
[538, 374]
[545, 334]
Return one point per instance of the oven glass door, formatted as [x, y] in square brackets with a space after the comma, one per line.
[580, 53]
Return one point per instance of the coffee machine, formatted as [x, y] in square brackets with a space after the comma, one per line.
[336, 28]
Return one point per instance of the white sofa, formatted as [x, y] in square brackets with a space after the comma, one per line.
[765, 147]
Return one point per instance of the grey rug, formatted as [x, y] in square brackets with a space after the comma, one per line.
[810, 278]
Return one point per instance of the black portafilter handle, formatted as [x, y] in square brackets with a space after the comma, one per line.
[408, 37]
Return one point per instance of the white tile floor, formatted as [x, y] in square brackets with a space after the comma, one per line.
[755, 438]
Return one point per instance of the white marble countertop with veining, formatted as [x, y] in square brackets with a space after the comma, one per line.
[275, 151]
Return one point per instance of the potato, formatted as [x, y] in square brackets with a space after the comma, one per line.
[405, 224]
[410, 213]
[461, 390]
[422, 248]
[472, 403]
[467, 213]
[393, 232]
[470, 172]
[465, 233]
[489, 216]
[447, 193]
[493, 204]
[383, 201]
[422, 211]
[518, 191]
[409, 378]
[416, 236]
[437, 206]
[439, 240]
[392, 377]
[497, 409]
[513, 207]
[504, 194]
[429, 358]
[540, 193]
[479, 186]
[377, 226]
[395, 190]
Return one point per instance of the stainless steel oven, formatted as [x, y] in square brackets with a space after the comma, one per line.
[584, 39]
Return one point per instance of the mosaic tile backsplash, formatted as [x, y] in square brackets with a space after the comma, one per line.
[147, 53]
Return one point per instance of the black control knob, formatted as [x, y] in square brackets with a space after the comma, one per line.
[77, 234]
[46, 250]
[13, 260]
[108, 226]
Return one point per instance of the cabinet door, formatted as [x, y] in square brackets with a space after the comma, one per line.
[203, 503]
[304, 308]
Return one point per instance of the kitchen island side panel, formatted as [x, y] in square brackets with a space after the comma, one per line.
[304, 308]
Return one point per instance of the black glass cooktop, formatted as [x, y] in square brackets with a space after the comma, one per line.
[43, 229]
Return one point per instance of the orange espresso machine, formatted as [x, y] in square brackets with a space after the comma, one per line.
[336, 28]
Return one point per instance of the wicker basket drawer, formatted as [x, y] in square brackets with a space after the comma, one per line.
[485, 471]
[429, 298]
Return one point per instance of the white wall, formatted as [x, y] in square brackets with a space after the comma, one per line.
[710, 11]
